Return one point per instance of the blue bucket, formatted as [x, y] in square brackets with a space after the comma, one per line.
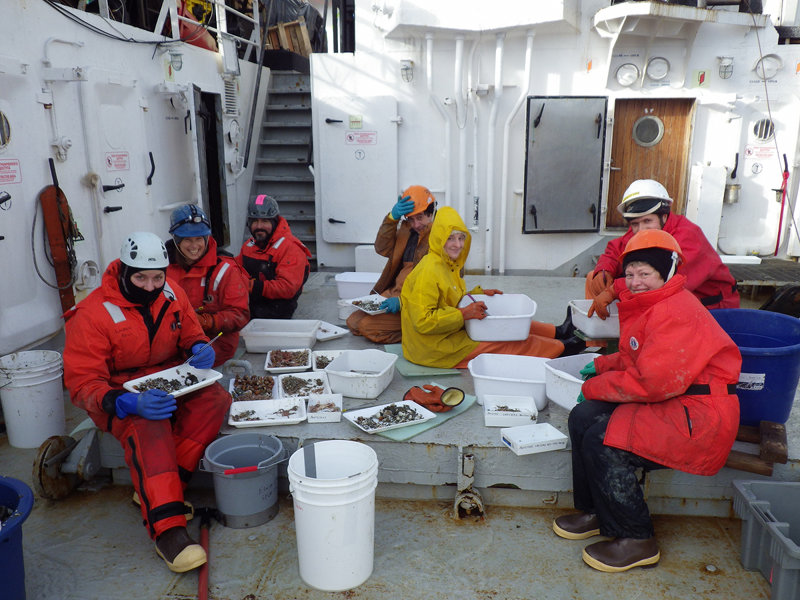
[18, 497]
[770, 347]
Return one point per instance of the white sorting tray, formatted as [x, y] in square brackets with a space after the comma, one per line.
[205, 376]
[268, 412]
[276, 392]
[296, 369]
[352, 416]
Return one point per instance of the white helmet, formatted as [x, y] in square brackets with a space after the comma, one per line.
[644, 197]
[144, 250]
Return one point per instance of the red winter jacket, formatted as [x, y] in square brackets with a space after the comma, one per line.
[216, 286]
[668, 342]
[107, 342]
[706, 275]
[282, 267]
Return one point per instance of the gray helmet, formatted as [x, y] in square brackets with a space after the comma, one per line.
[262, 207]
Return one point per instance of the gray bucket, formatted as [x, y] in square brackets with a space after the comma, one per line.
[248, 496]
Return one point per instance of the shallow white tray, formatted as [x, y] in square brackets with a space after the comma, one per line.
[329, 353]
[351, 416]
[374, 298]
[327, 331]
[205, 376]
[296, 369]
[267, 412]
[307, 376]
[276, 392]
[323, 416]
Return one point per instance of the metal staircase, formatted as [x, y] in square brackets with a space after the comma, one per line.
[285, 154]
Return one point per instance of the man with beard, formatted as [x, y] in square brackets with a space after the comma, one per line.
[403, 239]
[276, 261]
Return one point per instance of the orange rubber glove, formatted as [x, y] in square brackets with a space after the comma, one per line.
[492, 292]
[432, 398]
[598, 284]
[600, 304]
[206, 322]
[474, 310]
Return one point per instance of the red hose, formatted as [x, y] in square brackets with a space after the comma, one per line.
[202, 578]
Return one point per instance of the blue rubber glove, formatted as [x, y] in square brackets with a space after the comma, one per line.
[150, 404]
[581, 398]
[403, 206]
[391, 305]
[204, 360]
[588, 371]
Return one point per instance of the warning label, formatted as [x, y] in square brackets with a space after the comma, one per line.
[751, 381]
[10, 171]
[361, 138]
[118, 161]
[759, 153]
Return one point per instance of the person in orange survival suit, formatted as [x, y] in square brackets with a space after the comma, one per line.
[275, 260]
[667, 399]
[136, 323]
[403, 239]
[646, 205]
[216, 285]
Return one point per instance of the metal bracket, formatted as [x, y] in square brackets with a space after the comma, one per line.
[468, 501]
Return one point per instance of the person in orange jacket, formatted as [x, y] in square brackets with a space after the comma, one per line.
[216, 285]
[646, 205]
[275, 260]
[667, 399]
[136, 323]
[403, 239]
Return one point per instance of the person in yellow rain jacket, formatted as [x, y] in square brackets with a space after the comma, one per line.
[433, 325]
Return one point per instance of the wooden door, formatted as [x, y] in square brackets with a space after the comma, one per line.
[651, 140]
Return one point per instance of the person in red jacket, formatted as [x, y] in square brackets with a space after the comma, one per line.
[665, 400]
[136, 323]
[646, 205]
[216, 285]
[276, 261]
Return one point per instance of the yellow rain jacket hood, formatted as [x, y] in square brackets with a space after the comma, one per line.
[433, 328]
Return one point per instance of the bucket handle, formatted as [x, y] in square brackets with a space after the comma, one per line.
[236, 470]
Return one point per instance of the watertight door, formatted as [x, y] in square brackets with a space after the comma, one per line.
[358, 176]
[564, 163]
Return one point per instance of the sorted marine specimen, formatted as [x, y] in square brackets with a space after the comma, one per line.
[253, 387]
[368, 305]
[393, 414]
[297, 386]
[288, 358]
[167, 385]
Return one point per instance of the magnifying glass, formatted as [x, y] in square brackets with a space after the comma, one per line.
[452, 396]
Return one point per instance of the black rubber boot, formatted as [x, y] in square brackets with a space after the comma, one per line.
[566, 329]
[573, 345]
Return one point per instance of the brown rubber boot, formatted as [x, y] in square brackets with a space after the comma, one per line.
[621, 554]
[179, 551]
[577, 526]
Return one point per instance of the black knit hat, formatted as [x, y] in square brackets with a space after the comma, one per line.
[658, 258]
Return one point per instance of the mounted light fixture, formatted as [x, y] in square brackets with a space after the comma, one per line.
[627, 74]
[407, 70]
[176, 59]
[725, 66]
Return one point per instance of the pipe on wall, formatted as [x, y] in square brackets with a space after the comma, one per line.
[474, 221]
[458, 95]
[490, 144]
[442, 113]
[506, 134]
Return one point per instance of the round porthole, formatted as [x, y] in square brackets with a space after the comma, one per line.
[648, 131]
[657, 68]
[5, 130]
[627, 74]
[764, 130]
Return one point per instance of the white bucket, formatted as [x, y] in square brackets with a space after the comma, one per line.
[334, 512]
[32, 396]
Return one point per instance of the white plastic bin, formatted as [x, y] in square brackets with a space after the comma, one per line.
[32, 396]
[563, 379]
[594, 326]
[361, 373]
[333, 489]
[352, 284]
[508, 317]
[509, 375]
[263, 335]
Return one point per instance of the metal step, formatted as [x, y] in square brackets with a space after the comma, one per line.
[283, 178]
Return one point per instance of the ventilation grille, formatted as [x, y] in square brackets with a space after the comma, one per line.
[232, 97]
